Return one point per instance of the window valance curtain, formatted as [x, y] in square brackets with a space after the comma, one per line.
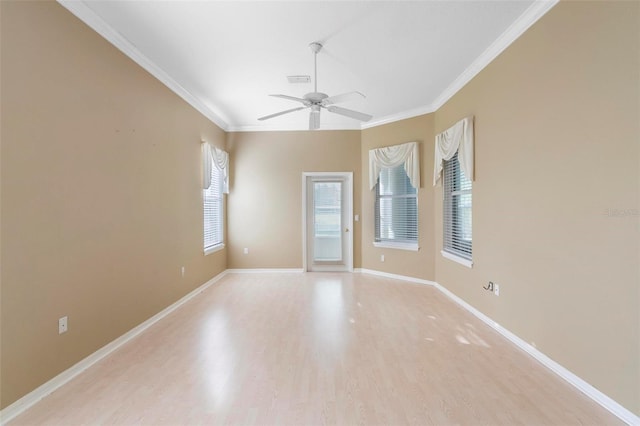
[458, 137]
[213, 156]
[392, 156]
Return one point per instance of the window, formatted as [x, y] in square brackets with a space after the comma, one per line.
[396, 210]
[213, 212]
[457, 210]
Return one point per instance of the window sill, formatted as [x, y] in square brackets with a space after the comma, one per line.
[461, 260]
[213, 249]
[399, 246]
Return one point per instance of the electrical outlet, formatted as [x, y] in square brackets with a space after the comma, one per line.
[246, 250]
[496, 289]
[382, 258]
[357, 218]
[62, 325]
[489, 287]
[182, 271]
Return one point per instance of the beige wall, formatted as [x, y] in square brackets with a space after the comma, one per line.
[265, 203]
[101, 198]
[418, 264]
[100, 231]
[556, 148]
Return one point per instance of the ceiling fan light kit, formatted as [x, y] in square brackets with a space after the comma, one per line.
[315, 100]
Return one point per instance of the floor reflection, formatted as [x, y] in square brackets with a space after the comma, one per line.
[329, 315]
[467, 336]
[218, 352]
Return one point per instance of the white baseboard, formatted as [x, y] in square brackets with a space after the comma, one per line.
[12, 411]
[605, 401]
[21, 405]
[264, 270]
[393, 276]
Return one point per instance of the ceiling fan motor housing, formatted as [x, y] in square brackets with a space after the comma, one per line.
[315, 97]
[315, 46]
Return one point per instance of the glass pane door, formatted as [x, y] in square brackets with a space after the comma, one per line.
[327, 221]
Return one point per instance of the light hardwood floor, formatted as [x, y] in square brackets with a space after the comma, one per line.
[318, 348]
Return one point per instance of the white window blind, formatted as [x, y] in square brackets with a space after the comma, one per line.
[396, 207]
[457, 210]
[213, 211]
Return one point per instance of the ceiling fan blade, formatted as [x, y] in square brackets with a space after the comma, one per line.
[291, 98]
[345, 97]
[266, 117]
[314, 119]
[350, 113]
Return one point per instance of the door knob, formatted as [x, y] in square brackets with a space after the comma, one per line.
[346, 230]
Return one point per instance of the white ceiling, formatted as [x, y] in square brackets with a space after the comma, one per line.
[226, 57]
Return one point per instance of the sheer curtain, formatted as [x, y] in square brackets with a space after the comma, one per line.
[458, 137]
[392, 156]
[213, 156]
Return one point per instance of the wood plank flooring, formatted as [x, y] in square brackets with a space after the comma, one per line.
[318, 348]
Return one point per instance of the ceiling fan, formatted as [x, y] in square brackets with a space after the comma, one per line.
[317, 100]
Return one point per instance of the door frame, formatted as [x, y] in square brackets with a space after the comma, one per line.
[348, 180]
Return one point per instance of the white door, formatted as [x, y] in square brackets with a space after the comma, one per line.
[328, 237]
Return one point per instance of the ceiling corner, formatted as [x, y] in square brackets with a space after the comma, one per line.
[95, 22]
[512, 33]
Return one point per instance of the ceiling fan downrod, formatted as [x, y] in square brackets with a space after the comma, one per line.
[315, 48]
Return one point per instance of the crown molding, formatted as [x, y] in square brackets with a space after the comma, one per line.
[95, 22]
[515, 30]
[511, 34]
[415, 112]
[272, 128]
